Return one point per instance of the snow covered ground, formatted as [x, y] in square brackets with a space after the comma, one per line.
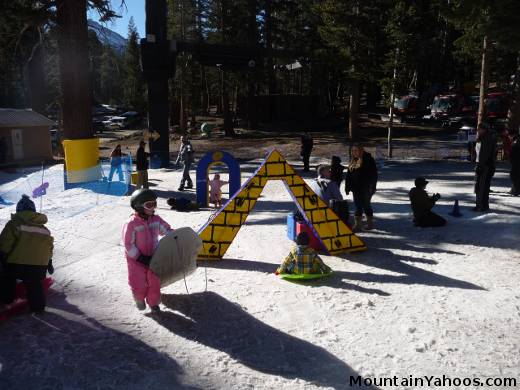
[418, 302]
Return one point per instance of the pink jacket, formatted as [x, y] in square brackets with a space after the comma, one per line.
[215, 186]
[142, 236]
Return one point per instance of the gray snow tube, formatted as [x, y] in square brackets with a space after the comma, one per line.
[176, 255]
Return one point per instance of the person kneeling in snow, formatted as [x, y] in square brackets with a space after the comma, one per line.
[182, 204]
[25, 253]
[141, 237]
[422, 205]
[302, 259]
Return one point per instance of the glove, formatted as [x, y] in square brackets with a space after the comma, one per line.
[145, 260]
[436, 197]
[50, 267]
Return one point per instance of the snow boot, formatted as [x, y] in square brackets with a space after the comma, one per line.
[155, 309]
[358, 223]
[370, 222]
[140, 304]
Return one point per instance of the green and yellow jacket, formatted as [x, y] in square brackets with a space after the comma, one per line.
[25, 240]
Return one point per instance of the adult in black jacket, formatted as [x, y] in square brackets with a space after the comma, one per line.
[486, 150]
[336, 170]
[514, 159]
[307, 144]
[361, 179]
[141, 162]
[422, 205]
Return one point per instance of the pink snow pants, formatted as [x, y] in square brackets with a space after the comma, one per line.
[144, 283]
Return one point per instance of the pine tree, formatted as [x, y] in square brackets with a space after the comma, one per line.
[350, 27]
[133, 82]
[486, 24]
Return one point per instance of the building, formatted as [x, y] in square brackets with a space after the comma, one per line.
[25, 137]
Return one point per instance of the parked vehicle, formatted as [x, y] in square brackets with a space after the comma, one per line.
[116, 123]
[132, 117]
[497, 105]
[409, 107]
[444, 106]
[453, 110]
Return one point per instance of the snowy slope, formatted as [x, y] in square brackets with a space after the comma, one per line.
[107, 36]
[417, 302]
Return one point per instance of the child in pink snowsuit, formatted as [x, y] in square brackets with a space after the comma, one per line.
[141, 237]
[215, 192]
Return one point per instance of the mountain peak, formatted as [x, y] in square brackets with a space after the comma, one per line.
[107, 36]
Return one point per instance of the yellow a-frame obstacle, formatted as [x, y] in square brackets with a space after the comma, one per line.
[218, 233]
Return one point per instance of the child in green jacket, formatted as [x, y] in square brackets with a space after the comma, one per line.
[26, 254]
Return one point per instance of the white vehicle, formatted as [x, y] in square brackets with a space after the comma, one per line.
[116, 123]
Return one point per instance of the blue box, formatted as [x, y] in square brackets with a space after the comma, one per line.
[291, 226]
[155, 161]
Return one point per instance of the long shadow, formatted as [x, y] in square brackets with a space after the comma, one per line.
[401, 244]
[387, 260]
[336, 280]
[64, 349]
[212, 320]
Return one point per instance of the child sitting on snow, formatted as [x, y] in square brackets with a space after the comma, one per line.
[302, 259]
[215, 192]
[141, 237]
[182, 204]
[25, 253]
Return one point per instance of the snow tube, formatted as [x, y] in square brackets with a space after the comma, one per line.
[304, 276]
[20, 303]
[176, 255]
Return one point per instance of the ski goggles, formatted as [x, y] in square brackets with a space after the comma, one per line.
[150, 205]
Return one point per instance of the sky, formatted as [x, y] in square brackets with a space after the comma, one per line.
[133, 8]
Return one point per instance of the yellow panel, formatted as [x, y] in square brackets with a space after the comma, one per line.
[233, 219]
[275, 170]
[81, 160]
[318, 216]
[343, 229]
[308, 205]
[337, 237]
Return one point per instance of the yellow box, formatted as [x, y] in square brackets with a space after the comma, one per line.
[133, 178]
[82, 159]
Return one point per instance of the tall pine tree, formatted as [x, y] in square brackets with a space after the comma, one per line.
[133, 81]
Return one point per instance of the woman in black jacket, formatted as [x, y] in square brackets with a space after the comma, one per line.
[362, 180]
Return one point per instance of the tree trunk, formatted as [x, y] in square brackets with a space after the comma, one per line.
[353, 123]
[483, 83]
[228, 121]
[35, 77]
[71, 17]
[390, 147]
[204, 98]
[252, 117]
[513, 115]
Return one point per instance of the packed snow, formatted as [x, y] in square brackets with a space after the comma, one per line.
[418, 302]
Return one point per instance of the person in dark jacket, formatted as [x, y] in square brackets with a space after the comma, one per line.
[25, 253]
[307, 144]
[336, 170]
[361, 179]
[486, 150]
[141, 162]
[514, 159]
[422, 205]
[3, 150]
[186, 154]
